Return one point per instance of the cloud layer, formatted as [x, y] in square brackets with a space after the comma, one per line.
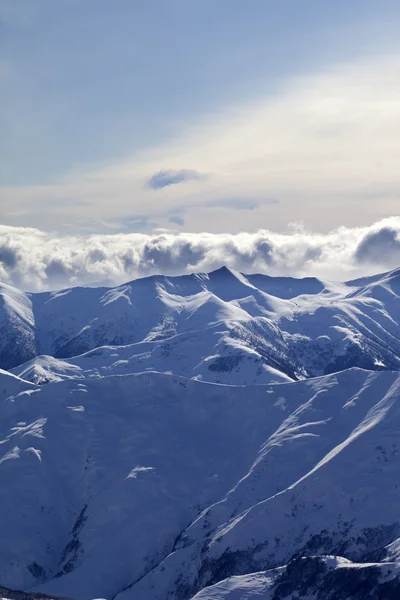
[35, 260]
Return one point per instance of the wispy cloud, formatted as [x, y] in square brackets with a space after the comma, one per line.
[234, 203]
[323, 146]
[35, 260]
[166, 178]
[177, 220]
[139, 224]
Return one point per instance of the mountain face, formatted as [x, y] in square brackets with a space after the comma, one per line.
[17, 327]
[140, 458]
[319, 578]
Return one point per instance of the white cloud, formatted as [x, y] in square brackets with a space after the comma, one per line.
[326, 147]
[35, 260]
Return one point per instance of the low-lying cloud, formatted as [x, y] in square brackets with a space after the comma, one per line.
[36, 260]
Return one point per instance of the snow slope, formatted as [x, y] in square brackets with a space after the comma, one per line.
[155, 486]
[17, 327]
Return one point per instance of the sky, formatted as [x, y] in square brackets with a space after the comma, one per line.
[180, 117]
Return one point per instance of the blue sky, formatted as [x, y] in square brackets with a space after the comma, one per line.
[100, 98]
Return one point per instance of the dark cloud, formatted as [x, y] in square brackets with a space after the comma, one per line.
[8, 257]
[165, 178]
[380, 245]
[58, 271]
[97, 255]
[171, 258]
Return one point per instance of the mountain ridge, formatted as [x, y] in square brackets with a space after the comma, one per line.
[330, 328]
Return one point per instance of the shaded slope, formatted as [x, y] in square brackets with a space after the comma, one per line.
[160, 486]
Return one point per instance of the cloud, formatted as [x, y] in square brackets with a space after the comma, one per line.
[139, 224]
[379, 244]
[8, 257]
[35, 260]
[224, 203]
[235, 203]
[177, 220]
[324, 144]
[165, 178]
[67, 202]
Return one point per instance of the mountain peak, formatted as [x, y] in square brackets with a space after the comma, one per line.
[222, 273]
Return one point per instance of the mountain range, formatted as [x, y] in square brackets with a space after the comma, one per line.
[210, 436]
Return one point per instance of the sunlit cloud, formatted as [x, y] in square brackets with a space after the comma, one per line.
[35, 260]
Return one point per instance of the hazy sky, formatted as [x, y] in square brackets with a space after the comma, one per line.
[198, 115]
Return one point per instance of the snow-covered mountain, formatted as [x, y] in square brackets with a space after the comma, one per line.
[153, 466]
[221, 327]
